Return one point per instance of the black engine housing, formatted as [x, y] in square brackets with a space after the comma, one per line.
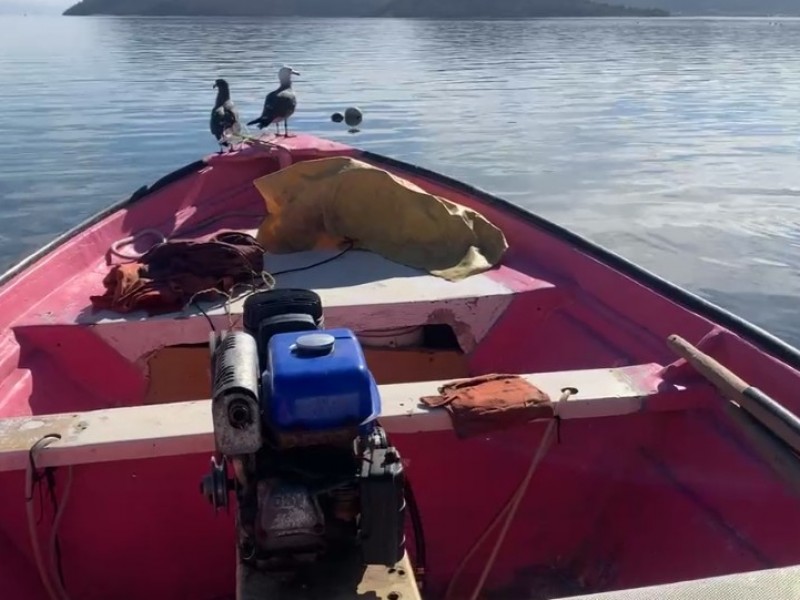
[319, 494]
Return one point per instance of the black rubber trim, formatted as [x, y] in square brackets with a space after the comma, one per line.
[789, 423]
[142, 192]
[752, 333]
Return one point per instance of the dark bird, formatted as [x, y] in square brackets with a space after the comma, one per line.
[224, 118]
[279, 104]
[353, 117]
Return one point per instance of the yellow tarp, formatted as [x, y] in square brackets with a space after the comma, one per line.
[323, 203]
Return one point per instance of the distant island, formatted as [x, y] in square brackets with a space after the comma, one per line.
[724, 7]
[452, 9]
[520, 9]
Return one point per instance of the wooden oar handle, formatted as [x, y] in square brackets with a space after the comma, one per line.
[725, 380]
[772, 415]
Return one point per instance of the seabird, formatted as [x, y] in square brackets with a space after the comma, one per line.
[353, 117]
[224, 118]
[279, 104]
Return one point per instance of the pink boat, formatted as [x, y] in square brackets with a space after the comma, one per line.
[655, 455]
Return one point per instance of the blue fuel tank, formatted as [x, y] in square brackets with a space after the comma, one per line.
[317, 381]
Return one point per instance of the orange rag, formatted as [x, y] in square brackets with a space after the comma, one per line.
[168, 275]
[490, 403]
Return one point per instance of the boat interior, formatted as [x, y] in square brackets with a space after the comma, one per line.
[646, 483]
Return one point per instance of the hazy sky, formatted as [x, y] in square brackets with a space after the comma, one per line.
[34, 6]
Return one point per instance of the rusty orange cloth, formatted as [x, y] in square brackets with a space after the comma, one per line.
[168, 275]
[490, 402]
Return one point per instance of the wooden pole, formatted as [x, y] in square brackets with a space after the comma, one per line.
[773, 430]
[782, 460]
[775, 417]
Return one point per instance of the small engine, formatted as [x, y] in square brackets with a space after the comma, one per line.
[295, 413]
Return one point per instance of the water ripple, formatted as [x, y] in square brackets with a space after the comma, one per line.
[674, 142]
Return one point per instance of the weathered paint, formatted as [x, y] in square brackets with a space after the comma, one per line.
[138, 432]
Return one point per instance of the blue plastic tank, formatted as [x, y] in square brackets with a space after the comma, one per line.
[318, 380]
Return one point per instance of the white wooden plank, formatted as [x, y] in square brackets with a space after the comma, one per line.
[601, 393]
[358, 277]
[471, 319]
[109, 435]
[372, 279]
[360, 290]
[185, 427]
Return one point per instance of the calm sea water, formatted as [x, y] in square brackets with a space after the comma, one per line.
[673, 142]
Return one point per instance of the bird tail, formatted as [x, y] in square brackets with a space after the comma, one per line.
[265, 120]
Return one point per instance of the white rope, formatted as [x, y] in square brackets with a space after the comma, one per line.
[508, 511]
[114, 248]
[58, 592]
[513, 505]
[54, 534]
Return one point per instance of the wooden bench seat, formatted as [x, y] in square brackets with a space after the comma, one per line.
[185, 427]
[360, 290]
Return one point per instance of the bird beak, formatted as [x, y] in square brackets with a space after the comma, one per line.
[295, 73]
[214, 86]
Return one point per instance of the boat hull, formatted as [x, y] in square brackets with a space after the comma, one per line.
[648, 484]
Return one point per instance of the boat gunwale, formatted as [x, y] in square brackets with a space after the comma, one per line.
[142, 192]
[764, 340]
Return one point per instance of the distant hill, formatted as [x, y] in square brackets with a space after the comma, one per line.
[256, 8]
[724, 7]
[362, 8]
[515, 9]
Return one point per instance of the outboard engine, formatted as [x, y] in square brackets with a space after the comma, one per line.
[294, 412]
